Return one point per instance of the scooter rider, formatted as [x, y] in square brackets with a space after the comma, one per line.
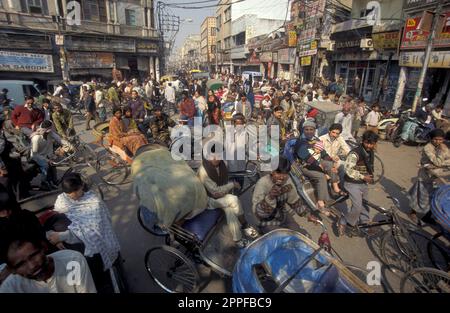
[359, 169]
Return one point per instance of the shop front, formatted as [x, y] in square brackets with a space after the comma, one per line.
[286, 61]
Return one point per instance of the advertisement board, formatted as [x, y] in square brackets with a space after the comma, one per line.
[25, 62]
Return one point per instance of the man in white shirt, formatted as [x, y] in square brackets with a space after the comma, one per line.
[345, 118]
[169, 94]
[373, 118]
[336, 147]
[65, 271]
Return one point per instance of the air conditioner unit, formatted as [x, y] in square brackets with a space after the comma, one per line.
[367, 44]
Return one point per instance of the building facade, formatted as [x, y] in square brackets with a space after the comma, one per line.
[190, 53]
[112, 35]
[223, 39]
[208, 33]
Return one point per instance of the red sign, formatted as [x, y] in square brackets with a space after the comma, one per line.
[414, 38]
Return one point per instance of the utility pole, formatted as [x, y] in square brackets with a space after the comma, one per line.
[428, 50]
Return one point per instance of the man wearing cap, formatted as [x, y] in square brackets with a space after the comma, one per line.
[315, 164]
[160, 124]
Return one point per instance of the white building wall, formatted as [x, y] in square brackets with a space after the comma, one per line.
[268, 9]
[121, 6]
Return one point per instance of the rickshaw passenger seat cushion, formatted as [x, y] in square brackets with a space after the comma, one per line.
[201, 224]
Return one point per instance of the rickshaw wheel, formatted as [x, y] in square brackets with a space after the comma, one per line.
[438, 253]
[425, 280]
[112, 170]
[378, 169]
[171, 270]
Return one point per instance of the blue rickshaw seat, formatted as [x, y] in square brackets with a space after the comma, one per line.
[201, 224]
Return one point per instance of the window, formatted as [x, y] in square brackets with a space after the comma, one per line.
[227, 15]
[130, 17]
[213, 31]
[34, 6]
[90, 10]
[227, 43]
[219, 20]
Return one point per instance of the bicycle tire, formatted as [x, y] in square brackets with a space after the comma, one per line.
[111, 170]
[89, 156]
[381, 175]
[444, 253]
[441, 286]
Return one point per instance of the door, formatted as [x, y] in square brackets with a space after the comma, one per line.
[368, 83]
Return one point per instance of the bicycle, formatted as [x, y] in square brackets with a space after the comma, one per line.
[79, 153]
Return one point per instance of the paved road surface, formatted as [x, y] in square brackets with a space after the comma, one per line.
[400, 168]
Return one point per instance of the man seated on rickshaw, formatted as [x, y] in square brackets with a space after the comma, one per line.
[121, 138]
[160, 124]
[214, 176]
[335, 146]
[317, 165]
[63, 120]
[275, 200]
[435, 163]
[359, 169]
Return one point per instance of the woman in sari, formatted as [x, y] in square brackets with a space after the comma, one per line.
[118, 135]
[214, 111]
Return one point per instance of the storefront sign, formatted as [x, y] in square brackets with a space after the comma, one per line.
[253, 59]
[348, 44]
[286, 56]
[387, 40]
[349, 25]
[275, 57]
[292, 38]
[109, 45]
[312, 9]
[359, 56]
[90, 60]
[265, 57]
[146, 47]
[438, 59]
[414, 38]
[307, 52]
[25, 62]
[306, 61]
[307, 34]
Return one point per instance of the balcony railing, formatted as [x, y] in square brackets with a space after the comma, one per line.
[43, 22]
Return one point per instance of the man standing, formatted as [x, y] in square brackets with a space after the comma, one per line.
[244, 107]
[373, 118]
[137, 109]
[345, 118]
[26, 117]
[47, 110]
[169, 94]
[35, 272]
[91, 109]
[275, 200]
[359, 169]
[187, 109]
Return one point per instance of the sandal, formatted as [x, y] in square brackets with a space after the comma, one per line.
[341, 230]
[324, 211]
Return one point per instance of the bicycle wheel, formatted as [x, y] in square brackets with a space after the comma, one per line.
[89, 156]
[378, 168]
[439, 252]
[425, 280]
[171, 270]
[112, 170]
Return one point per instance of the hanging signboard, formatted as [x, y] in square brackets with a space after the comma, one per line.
[286, 56]
[306, 61]
[414, 38]
[25, 62]
[90, 60]
[388, 40]
[292, 38]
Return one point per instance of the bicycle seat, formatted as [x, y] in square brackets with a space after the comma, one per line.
[201, 224]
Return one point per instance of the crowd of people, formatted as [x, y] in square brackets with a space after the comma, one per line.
[79, 228]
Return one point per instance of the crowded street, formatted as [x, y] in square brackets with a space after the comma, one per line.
[242, 146]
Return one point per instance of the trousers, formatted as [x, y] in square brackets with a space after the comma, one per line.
[357, 212]
[232, 207]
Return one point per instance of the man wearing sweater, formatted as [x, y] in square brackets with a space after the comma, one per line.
[26, 117]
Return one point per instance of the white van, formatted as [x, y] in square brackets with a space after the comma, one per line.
[18, 90]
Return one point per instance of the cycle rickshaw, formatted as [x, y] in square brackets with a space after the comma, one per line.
[204, 239]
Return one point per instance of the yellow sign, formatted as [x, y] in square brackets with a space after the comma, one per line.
[388, 40]
[292, 38]
[411, 22]
[306, 61]
[313, 45]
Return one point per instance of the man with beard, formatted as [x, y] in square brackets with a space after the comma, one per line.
[64, 271]
[275, 200]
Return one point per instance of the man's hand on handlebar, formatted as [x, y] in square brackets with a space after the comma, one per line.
[368, 179]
